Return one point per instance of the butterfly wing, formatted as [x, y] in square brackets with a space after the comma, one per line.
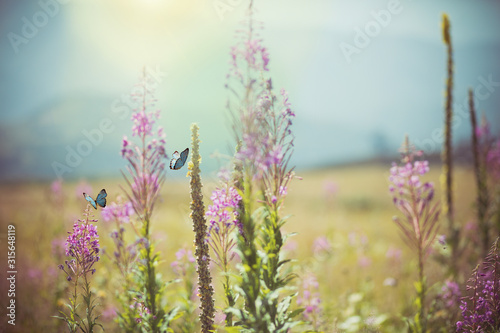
[101, 198]
[175, 157]
[89, 199]
[184, 155]
[182, 159]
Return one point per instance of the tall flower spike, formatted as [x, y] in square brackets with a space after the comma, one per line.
[146, 163]
[419, 226]
[447, 179]
[480, 174]
[146, 159]
[262, 129]
[206, 290]
[82, 245]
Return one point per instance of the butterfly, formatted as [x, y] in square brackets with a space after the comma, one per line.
[178, 160]
[100, 200]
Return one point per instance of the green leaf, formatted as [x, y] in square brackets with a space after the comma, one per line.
[296, 312]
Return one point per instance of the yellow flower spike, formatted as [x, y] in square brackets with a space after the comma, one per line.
[446, 28]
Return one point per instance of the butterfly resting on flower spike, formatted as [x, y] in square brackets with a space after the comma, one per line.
[99, 200]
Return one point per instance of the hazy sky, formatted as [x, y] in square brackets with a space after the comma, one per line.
[62, 66]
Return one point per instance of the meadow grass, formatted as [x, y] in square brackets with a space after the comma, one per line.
[356, 218]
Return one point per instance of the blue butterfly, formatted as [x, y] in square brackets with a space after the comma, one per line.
[178, 160]
[100, 200]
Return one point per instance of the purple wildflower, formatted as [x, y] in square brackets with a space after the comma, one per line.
[394, 254]
[481, 308]
[488, 149]
[322, 246]
[126, 151]
[141, 307]
[364, 261]
[275, 156]
[309, 298]
[442, 239]
[483, 130]
[56, 187]
[283, 191]
[255, 151]
[185, 261]
[223, 219]
[143, 123]
[287, 111]
[224, 208]
[262, 124]
[116, 211]
[82, 244]
[413, 198]
[224, 175]
[58, 245]
[450, 294]
[330, 188]
[251, 52]
[264, 141]
[109, 313]
[147, 158]
[291, 246]
[57, 195]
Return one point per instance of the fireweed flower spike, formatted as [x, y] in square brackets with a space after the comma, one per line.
[262, 129]
[205, 288]
[146, 163]
[309, 298]
[481, 308]
[223, 223]
[147, 159]
[82, 245]
[413, 198]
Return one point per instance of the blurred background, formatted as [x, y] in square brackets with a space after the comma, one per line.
[358, 79]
